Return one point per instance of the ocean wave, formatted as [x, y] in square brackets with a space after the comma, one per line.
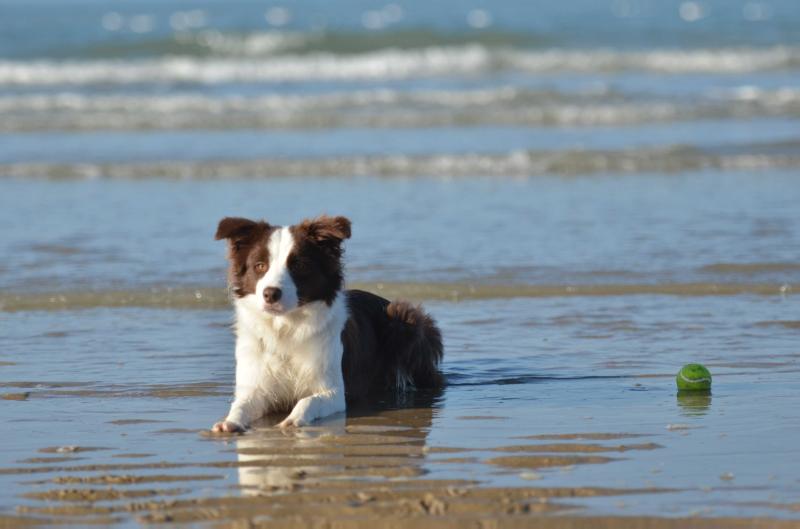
[215, 43]
[383, 108]
[393, 64]
[514, 164]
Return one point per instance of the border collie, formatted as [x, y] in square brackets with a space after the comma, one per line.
[303, 344]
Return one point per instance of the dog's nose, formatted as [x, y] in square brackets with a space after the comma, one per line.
[272, 294]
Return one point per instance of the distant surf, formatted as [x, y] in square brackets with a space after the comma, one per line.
[393, 64]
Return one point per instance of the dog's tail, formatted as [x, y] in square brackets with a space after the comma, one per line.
[417, 344]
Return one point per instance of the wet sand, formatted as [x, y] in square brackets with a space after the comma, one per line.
[217, 298]
[357, 472]
[590, 436]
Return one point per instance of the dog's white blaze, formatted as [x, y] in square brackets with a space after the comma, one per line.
[280, 245]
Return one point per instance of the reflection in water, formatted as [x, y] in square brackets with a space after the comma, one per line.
[694, 403]
[269, 444]
[383, 440]
[375, 466]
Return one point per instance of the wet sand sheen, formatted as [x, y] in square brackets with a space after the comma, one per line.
[327, 490]
[216, 298]
[322, 470]
[366, 470]
[526, 430]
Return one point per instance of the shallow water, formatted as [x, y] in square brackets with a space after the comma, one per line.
[586, 195]
[524, 375]
[706, 228]
[120, 340]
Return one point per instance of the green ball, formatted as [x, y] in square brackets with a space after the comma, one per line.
[693, 377]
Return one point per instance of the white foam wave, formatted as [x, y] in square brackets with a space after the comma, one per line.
[393, 64]
[381, 108]
[252, 45]
[725, 60]
[191, 102]
[378, 65]
[517, 164]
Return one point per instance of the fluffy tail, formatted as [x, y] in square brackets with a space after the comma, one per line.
[418, 346]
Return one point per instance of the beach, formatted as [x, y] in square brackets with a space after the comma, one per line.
[585, 197]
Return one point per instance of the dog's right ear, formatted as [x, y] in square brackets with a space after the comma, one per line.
[237, 230]
[231, 227]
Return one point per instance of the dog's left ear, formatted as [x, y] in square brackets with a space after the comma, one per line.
[327, 229]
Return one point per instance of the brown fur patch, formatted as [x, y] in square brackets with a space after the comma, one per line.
[247, 246]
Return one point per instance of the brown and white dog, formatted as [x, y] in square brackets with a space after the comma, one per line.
[303, 344]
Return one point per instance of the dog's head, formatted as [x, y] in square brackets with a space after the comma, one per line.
[284, 268]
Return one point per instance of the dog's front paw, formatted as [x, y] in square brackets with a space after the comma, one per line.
[292, 422]
[227, 427]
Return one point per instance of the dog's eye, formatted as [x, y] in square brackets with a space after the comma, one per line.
[260, 267]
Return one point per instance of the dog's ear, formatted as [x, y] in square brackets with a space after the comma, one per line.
[325, 229]
[238, 230]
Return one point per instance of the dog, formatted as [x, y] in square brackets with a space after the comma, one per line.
[306, 346]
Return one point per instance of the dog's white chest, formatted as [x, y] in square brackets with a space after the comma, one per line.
[289, 363]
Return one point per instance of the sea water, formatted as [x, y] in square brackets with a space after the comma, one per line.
[585, 195]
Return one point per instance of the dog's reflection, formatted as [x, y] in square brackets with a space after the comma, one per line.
[384, 439]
